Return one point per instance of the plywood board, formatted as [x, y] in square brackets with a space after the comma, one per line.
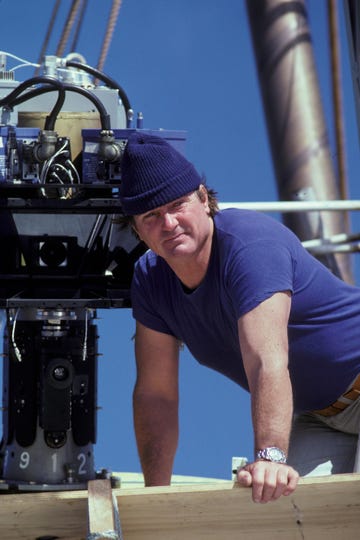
[321, 508]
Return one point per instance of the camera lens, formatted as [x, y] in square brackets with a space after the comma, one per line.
[53, 253]
[60, 373]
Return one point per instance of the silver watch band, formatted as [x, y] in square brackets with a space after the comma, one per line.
[272, 453]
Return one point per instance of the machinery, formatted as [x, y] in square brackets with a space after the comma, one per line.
[66, 254]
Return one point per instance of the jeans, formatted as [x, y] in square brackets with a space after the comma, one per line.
[322, 445]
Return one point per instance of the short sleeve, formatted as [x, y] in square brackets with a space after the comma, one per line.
[256, 272]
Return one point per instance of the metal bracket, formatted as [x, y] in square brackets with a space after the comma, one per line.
[103, 513]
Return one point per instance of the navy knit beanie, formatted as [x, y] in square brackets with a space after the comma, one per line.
[153, 173]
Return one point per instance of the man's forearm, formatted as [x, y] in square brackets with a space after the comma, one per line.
[156, 430]
[272, 406]
[272, 416]
[264, 346]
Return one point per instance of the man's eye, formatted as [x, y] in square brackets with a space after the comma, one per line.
[178, 204]
[149, 216]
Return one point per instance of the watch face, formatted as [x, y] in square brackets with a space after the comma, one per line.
[275, 454]
[272, 454]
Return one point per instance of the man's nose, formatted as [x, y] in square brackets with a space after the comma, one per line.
[169, 220]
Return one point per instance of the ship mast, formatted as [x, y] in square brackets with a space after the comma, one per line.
[295, 119]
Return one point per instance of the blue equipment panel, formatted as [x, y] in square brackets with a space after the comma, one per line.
[16, 163]
[94, 171]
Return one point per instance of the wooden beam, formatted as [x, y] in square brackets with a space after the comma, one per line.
[326, 508]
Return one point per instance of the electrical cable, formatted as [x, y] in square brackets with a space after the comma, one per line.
[14, 57]
[84, 351]
[25, 64]
[71, 166]
[15, 347]
[50, 161]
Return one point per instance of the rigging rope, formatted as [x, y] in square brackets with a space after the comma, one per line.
[78, 26]
[109, 32]
[76, 4]
[48, 34]
[76, 16]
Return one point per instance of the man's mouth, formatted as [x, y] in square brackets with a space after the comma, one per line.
[173, 238]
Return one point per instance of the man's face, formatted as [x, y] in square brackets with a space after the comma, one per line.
[177, 229]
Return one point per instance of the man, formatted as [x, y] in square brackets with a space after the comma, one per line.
[241, 292]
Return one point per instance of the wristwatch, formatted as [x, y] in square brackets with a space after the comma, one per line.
[272, 453]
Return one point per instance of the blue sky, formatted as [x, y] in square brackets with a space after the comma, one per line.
[189, 65]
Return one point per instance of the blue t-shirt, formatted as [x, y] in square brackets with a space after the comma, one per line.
[254, 256]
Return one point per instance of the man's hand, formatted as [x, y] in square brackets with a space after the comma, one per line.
[268, 480]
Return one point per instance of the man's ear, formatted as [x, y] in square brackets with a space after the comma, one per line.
[204, 196]
[134, 229]
[136, 232]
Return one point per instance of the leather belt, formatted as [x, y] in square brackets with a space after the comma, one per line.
[344, 401]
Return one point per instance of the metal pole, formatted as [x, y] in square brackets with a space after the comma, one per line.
[295, 120]
[337, 96]
[292, 206]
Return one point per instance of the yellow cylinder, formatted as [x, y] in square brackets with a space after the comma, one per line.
[68, 124]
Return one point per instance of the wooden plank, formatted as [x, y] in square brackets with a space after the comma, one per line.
[326, 508]
[320, 509]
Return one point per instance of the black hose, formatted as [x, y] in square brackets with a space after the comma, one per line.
[102, 77]
[31, 94]
[12, 99]
[104, 116]
[7, 100]
[51, 119]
